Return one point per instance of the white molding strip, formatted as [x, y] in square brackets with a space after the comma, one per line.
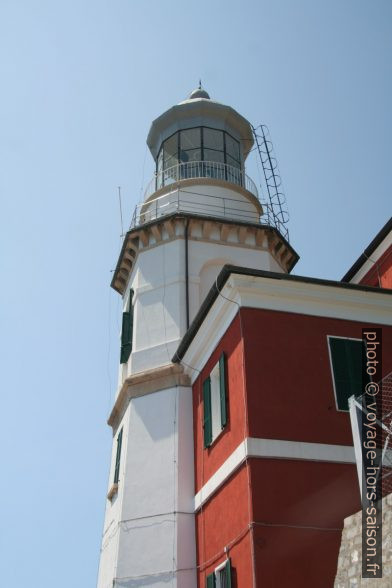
[227, 468]
[273, 449]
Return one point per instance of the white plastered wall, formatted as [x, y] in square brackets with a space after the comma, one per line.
[110, 537]
[206, 199]
[158, 281]
[150, 524]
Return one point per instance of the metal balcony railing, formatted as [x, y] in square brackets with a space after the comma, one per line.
[200, 169]
[179, 200]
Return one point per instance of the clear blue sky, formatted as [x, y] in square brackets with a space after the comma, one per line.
[81, 82]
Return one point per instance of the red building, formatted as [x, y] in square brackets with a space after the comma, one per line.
[273, 359]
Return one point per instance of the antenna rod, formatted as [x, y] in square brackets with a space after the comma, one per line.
[121, 216]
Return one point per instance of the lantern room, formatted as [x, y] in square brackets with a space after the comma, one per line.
[199, 147]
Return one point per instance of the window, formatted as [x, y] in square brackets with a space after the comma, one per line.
[118, 457]
[127, 331]
[232, 147]
[213, 139]
[198, 144]
[346, 361]
[221, 577]
[215, 402]
[170, 152]
[190, 145]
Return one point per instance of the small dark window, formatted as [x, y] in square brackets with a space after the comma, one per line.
[127, 331]
[118, 457]
[347, 356]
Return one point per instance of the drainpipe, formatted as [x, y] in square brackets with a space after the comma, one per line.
[186, 274]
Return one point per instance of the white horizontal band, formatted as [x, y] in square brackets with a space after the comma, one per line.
[277, 449]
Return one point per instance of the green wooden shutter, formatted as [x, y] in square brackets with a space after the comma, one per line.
[207, 416]
[118, 457]
[347, 355]
[222, 389]
[355, 353]
[211, 581]
[127, 331]
[228, 574]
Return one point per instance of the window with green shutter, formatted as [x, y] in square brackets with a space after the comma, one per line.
[222, 390]
[221, 577]
[118, 458]
[347, 356]
[215, 414]
[127, 331]
[207, 417]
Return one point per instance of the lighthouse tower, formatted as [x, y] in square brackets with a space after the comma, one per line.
[200, 212]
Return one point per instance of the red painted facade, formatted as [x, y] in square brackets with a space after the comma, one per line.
[285, 515]
[208, 461]
[224, 522]
[288, 375]
[298, 510]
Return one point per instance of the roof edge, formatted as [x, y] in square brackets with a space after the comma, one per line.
[221, 280]
[368, 251]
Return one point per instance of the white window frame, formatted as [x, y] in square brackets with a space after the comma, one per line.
[218, 569]
[216, 417]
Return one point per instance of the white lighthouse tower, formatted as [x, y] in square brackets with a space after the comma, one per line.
[200, 212]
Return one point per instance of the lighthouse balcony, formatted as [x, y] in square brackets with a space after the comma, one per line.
[204, 188]
[200, 169]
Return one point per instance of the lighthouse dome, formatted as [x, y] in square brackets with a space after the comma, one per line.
[199, 93]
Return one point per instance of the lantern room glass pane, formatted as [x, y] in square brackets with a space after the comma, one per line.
[213, 139]
[190, 139]
[232, 162]
[190, 155]
[160, 161]
[211, 155]
[159, 169]
[170, 150]
[232, 148]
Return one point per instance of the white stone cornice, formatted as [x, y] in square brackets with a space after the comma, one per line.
[147, 382]
[315, 299]
[208, 229]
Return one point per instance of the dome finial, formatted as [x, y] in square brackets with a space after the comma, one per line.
[199, 93]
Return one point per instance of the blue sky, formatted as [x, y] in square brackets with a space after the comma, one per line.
[81, 82]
